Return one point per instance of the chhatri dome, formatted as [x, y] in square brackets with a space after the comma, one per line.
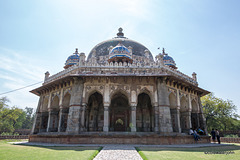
[72, 59]
[167, 60]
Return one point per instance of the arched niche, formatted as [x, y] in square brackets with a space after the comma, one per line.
[194, 106]
[55, 103]
[66, 100]
[95, 112]
[172, 101]
[184, 104]
[119, 113]
[144, 114]
[45, 105]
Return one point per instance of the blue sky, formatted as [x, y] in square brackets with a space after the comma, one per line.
[202, 36]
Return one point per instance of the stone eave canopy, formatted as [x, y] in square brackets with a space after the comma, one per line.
[67, 79]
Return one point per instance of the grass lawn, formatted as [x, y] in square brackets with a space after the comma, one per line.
[191, 153]
[23, 152]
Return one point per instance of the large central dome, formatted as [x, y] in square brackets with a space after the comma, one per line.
[102, 49]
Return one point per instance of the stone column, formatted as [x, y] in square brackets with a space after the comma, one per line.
[74, 116]
[60, 119]
[133, 117]
[156, 118]
[60, 111]
[82, 127]
[37, 119]
[49, 111]
[178, 112]
[176, 117]
[50, 117]
[189, 110]
[189, 122]
[164, 109]
[106, 117]
[202, 119]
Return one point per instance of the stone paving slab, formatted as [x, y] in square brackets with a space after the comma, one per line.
[118, 152]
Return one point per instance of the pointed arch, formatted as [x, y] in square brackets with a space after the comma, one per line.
[91, 92]
[45, 105]
[66, 100]
[120, 92]
[195, 108]
[55, 102]
[150, 94]
[173, 100]
[184, 104]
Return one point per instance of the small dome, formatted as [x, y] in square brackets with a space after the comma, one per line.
[120, 53]
[72, 60]
[167, 60]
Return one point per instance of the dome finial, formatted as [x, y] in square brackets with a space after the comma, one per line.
[163, 51]
[120, 34]
[76, 52]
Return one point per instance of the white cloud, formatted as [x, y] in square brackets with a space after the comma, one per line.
[17, 71]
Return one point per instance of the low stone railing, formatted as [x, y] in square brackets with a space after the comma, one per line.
[90, 66]
[230, 140]
[14, 137]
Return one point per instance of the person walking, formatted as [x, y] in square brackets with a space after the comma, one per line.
[218, 136]
[213, 134]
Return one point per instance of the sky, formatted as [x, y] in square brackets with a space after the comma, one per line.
[202, 36]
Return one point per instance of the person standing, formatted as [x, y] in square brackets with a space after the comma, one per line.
[218, 136]
[213, 134]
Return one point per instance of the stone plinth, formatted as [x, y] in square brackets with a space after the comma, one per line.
[153, 139]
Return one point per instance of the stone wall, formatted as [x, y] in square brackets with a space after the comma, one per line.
[229, 140]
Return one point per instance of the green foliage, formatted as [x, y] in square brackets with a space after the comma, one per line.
[9, 134]
[231, 136]
[12, 118]
[219, 113]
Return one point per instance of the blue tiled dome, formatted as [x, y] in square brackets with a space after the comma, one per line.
[120, 51]
[72, 60]
[167, 60]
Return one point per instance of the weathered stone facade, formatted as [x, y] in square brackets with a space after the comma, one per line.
[129, 92]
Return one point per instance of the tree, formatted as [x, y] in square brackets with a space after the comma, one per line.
[12, 118]
[220, 113]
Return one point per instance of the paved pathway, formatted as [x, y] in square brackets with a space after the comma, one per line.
[118, 152]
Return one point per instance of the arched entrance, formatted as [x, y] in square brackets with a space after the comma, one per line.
[144, 118]
[94, 113]
[119, 113]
